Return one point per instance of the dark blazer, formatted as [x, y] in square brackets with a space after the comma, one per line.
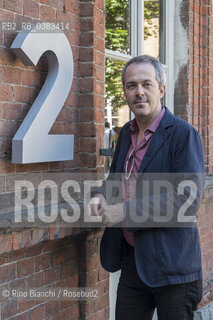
[163, 255]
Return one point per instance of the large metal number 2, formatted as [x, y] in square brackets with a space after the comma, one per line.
[32, 143]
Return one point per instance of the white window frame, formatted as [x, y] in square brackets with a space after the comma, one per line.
[136, 18]
[137, 43]
[169, 14]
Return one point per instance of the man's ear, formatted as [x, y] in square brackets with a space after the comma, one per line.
[162, 91]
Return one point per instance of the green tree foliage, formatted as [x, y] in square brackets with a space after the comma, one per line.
[117, 25]
[151, 10]
[118, 39]
[113, 85]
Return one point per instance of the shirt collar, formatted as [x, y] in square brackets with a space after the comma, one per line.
[153, 126]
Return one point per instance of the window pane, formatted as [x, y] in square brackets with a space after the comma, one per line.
[118, 25]
[152, 39]
[117, 113]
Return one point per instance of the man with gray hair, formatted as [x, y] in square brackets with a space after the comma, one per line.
[160, 266]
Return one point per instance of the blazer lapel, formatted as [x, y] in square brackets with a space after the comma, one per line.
[158, 139]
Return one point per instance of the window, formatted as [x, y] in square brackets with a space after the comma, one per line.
[118, 51]
[135, 27]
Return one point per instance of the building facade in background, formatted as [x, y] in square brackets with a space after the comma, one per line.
[103, 35]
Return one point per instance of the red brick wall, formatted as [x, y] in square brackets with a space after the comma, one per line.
[194, 89]
[210, 111]
[92, 73]
[206, 237]
[25, 258]
[200, 83]
[201, 116]
[83, 112]
[57, 264]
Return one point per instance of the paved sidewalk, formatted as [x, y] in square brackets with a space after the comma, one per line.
[205, 313]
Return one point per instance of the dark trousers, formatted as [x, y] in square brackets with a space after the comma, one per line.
[137, 301]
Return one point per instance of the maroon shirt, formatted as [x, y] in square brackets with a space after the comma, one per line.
[132, 167]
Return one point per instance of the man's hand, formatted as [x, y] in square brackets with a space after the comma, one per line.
[97, 205]
[114, 214]
[111, 214]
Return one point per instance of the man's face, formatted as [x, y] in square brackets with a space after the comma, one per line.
[142, 90]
